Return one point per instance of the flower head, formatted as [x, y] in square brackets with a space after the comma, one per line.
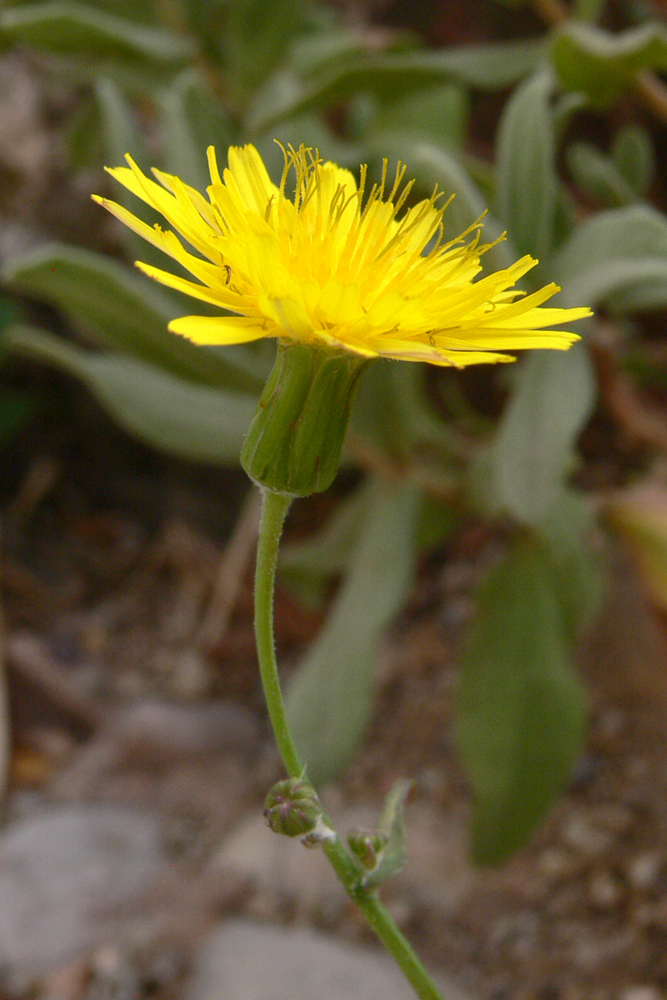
[334, 267]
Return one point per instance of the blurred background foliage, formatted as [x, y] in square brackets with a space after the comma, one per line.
[557, 128]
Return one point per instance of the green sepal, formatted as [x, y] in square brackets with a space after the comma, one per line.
[296, 436]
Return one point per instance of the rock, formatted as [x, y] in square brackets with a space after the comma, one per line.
[555, 864]
[580, 834]
[640, 993]
[438, 872]
[65, 877]
[281, 869]
[594, 832]
[604, 890]
[112, 976]
[590, 952]
[158, 735]
[644, 870]
[23, 139]
[262, 962]
[163, 732]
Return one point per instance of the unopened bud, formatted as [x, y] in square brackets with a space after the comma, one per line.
[366, 846]
[292, 808]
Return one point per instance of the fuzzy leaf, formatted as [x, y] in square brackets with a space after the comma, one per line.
[192, 121]
[490, 66]
[68, 27]
[632, 152]
[527, 186]
[603, 65]
[330, 698]
[617, 257]
[119, 308]
[553, 398]
[598, 175]
[521, 707]
[392, 822]
[195, 422]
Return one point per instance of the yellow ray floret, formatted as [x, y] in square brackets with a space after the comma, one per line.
[334, 266]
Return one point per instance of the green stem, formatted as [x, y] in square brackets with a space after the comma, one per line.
[274, 511]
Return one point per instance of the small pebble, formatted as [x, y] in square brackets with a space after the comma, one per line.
[611, 723]
[644, 870]
[640, 993]
[616, 819]
[604, 891]
[555, 864]
[582, 836]
[112, 976]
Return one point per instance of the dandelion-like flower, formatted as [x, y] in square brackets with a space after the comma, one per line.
[334, 268]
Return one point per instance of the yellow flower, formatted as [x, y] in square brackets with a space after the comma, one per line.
[329, 267]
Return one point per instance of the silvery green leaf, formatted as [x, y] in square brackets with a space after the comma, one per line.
[392, 823]
[598, 175]
[491, 66]
[68, 27]
[617, 257]
[120, 308]
[196, 422]
[330, 697]
[527, 187]
[632, 152]
[521, 707]
[191, 121]
[554, 395]
[602, 64]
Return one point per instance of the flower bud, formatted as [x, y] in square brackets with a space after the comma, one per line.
[366, 846]
[296, 436]
[292, 808]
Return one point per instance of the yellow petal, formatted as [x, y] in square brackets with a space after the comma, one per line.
[220, 329]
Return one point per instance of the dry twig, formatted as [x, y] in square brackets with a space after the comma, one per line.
[639, 421]
[231, 570]
[28, 659]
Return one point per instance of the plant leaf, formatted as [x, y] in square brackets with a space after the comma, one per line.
[603, 65]
[569, 535]
[257, 37]
[598, 175]
[617, 257]
[392, 822]
[119, 308]
[387, 74]
[527, 187]
[521, 707]
[68, 27]
[437, 113]
[552, 400]
[195, 422]
[191, 121]
[632, 152]
[330, 698]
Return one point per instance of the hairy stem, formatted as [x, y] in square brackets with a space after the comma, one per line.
[274, 511]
